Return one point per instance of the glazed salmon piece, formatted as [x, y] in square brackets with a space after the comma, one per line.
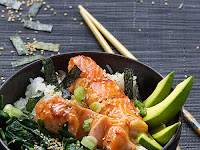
[89, 68]
[123, 108]
[99, 88]
[117, 139]
[56, 111]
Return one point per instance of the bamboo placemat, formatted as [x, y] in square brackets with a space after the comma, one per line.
[160, 35]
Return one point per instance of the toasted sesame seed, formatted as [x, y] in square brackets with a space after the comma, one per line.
[45, 9]
[44, 3]
[1, 48]
[27, 38]
[19, 32]
[166, 3]
[70, 7]
[197, 47]
[48, 6]
[81, 23]
[51, 9]
[13, 20]
[19, 19]
[3, 82]
[153, 2]
[65, 14]
[42, 52]
[12, 51]
[2, 11]
[23, 2]
[27, 54]
[20, 8]
[2, 16]
[139, 30]
[55, 13]
[34, 39]
[75, 19]
[185, 76]
[52, 54]
[16, 11]
[36, 32]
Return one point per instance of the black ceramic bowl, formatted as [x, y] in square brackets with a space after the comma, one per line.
[147, 79]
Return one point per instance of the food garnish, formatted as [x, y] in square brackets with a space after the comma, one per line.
[32, 101]
[128, 82]
[25, 60]
[11, 3]
[49, 71]
[46, 46]
[34, 9]
[19, 45]
[38, 26]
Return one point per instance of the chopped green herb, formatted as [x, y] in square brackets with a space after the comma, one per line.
[34, 9]
[25, 60]
[49, 71]
[11, 3]
[32, 101]
[38, 26]
[141, 107]
[180, 6]
[47, 46]
[128, 82]
[19, 45]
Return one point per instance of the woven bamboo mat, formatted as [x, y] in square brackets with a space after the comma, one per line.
[160, 35]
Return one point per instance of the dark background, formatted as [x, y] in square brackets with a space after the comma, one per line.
[167, 42]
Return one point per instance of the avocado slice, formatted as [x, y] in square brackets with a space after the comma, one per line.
[166, 134]
[161, 91]
[147, 142]
[170, 106]
[157, 129]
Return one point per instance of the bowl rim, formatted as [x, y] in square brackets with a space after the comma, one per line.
[100, 53]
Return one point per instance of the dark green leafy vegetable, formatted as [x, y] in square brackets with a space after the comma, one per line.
[38, 26]
[11, 3]
[47, 46]
[49, 71]
[141, 107]
[32, 101]
[25, 60]
[128, 82]
[19, 45]
[71, 76]
[34, 9]
[64, 132]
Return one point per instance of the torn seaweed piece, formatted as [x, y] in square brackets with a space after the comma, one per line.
[34, 9]
[65, 132]
[32, 101]
[38, 26]
[49, 71]
[11, 3]
[25, 60]
[71, 76]
[47, 46]
[19, 45]
[128, 82]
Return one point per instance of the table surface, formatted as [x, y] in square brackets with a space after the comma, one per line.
[161, 35]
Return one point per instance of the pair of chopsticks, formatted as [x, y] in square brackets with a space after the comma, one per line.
[98, 29]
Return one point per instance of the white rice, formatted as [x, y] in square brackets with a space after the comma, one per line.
[35, 85]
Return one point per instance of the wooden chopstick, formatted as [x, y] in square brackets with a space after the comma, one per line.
[96, 33]
[108, 35]
[89, 19]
